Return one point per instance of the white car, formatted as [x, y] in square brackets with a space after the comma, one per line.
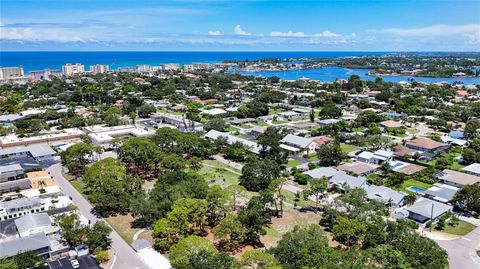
[75, 263]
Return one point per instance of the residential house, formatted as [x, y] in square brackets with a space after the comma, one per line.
[342, 180]
[441, 192]
[456, 179]
[358, 168]
[321, 172]
[425, 209]
[377, 157]
[298, 144]
[385, 195]
[181, 123]
[429, 148]
[230, 139]
[473, 169]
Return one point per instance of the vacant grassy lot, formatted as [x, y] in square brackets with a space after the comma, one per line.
[348, 148]
[293, 163]
[123, 226]
[78, 185]
[280, 226]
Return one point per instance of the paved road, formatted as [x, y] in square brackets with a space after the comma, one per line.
[462, 252]
[126, 257]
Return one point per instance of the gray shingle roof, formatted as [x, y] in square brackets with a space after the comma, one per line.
[21, 202]
[23, 244]
[342, 177]
[423, 207]
[384, 194]
[322, 172]
[10, 168]
[296, 140]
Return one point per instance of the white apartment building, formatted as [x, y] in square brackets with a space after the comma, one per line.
[71, 69]
[170, 67]
[99, 68]
[14, 72]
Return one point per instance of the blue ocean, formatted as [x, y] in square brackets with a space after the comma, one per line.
[55, 59]
[115, 59]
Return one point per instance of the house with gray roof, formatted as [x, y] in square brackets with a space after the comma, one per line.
[473, 169]
[299, 144]
[425, 209]
[441, 192]
[385, 195]
[321, 172]
[18, 207]
[11, 172]
[39, 152]
[35, 223]
[341, 180]
[231, 139]
[37, 243]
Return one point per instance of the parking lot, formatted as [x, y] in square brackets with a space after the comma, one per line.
[86, 262]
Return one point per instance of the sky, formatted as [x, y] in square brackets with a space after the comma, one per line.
[240, 25]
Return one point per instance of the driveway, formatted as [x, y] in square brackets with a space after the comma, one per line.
[85, 262]
[462, 252]
[126, 257]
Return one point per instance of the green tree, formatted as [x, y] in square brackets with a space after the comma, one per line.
[76, 157]
[180, 255]
[258, 173]
[258, 259]
[348, 231]
[468, 197]
[105, 186]
[317, 187]
[218, 124]
[230, 232]
[330, 154]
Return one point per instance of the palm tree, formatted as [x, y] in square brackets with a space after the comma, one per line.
[410, 199]
[42, 184]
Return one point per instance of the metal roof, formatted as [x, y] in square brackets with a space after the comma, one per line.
[296, 140]
[13, 247]
[32, 221]
[10, 168]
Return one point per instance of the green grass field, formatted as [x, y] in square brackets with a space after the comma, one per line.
[292, 163]
[78, 185]
[461, 229]
[348, 148]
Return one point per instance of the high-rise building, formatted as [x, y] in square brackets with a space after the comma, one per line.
[99, 68]
[45, 74]
[71, 69]
[144, 68]
[170, 67]
[7, 73]
[201, 66]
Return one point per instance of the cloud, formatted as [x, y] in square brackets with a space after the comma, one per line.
[288, 34]
[2, 24]
[31, 34]
[214, 32]
[239, 31]
[437, 30]
[327, 33]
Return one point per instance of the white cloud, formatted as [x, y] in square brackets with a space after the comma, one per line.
[2, 24]
[240, 31]
[214, 32]
[49, 34]
[438, 30]
[288, 34]
[327, 33]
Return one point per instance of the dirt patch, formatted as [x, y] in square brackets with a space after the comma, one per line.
[123, 226]
[290, 219]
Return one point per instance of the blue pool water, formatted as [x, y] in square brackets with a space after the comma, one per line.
[416, 189]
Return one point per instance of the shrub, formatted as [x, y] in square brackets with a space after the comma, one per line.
[102, 256]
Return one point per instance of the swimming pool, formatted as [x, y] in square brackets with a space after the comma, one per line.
[416, 189]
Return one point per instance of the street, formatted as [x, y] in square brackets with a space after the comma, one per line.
[462, 252]
[126, 257]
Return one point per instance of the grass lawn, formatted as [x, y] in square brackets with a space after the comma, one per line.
[278, 122]
[261, 123]
[78, 185]
[313, 157]
[218, 175]
[413, 182]
[274, 111]
[413, 130]
[348, 148]
[246, 126]
[293, 163]
[232, 128]
[358, 129]
[122, 225]
[461, 229]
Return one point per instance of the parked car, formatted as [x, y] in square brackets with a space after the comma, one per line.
[75, 263]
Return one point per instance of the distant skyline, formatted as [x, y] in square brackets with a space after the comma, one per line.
[248, 25]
